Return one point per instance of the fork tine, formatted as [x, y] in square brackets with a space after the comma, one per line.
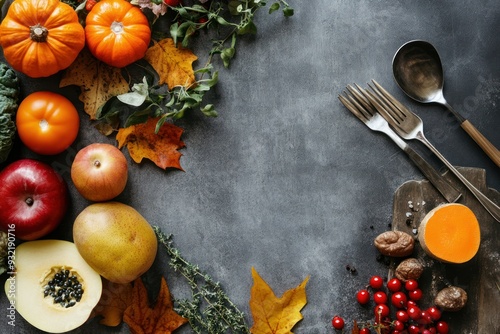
[361, 106]
[350, 105]
[359, 96]
[399, 109]
[387, 105]
[379, 106]
[388, 111]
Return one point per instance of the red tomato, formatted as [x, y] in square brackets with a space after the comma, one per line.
[47, 122]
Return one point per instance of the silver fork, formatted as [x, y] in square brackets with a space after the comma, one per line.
[409, 126]
[362, 109]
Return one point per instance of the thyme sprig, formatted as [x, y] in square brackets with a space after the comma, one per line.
[210, 310]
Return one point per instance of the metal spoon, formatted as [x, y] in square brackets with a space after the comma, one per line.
[418, 71]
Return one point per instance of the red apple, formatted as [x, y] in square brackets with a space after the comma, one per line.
[99, 172]
[33, 199]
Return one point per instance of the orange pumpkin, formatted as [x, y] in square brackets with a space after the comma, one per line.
[117, 32]
[41, 37]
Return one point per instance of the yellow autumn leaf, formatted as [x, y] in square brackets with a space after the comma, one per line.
[173, 64]
[143, 142]
[273, 315]
[98, 82]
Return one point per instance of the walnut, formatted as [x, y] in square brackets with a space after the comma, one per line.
[395, 243]
[451, 298]
[410, 268]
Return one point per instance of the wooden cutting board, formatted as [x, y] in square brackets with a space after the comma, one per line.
[480, 277]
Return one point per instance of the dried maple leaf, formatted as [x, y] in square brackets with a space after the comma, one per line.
[172, 63]
[98, 82]
[273, 315]
[114, 300]
[355, 328]
[143, 142]
[142, 319]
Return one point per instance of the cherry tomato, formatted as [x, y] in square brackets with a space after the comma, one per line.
[411, 303]
[338, 322]
[414, 312]
[442, 327]
[398, 325]
[394, 285]
[363, 296]
[47, 122]
[376, 282]
[425, 318]
[364, 330]
[434, 312]
[402, 316]
[411, 285]
[415, 294]
[381, 311]
[413, 329]
[399, 299]
[380, 297]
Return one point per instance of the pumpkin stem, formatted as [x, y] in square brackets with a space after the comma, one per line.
[117, 27]
[38, 33]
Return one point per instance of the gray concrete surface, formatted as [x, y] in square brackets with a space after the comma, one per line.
[285, 179]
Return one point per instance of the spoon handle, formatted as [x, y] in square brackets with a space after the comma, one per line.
[481, 140]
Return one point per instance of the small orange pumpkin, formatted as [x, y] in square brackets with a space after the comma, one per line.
[41, 37]
[117, 32]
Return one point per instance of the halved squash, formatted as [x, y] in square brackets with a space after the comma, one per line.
[53, 288]
[450, 233]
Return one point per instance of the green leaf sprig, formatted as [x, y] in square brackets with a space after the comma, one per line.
[210, 310]
[148, 99]
[235, 18]
[231, 19]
